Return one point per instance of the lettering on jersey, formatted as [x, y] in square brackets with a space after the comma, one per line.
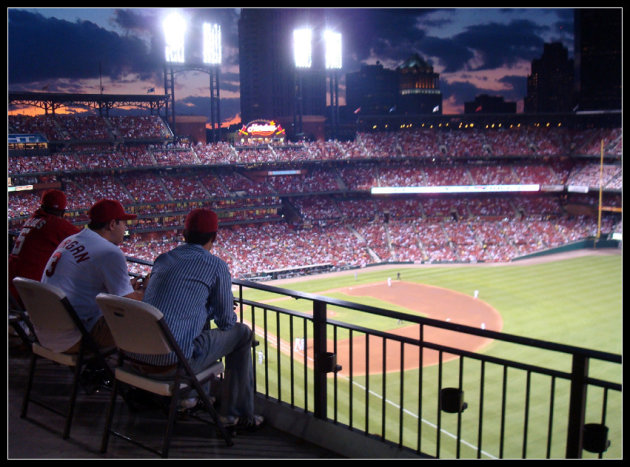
[77, 251]
[52, 263]
[32, 223]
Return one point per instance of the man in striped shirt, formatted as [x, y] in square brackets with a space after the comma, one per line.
[191, 286]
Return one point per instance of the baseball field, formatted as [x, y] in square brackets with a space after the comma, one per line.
[573, 299]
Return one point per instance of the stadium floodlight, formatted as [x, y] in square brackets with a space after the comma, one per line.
[302, 47]
[333, 49]
[211, 44]
[174, 32]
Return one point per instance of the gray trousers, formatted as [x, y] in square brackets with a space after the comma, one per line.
[235, 345]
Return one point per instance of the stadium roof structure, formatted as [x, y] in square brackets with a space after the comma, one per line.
[49, 101]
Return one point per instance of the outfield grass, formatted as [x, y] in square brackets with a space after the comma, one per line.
[576, 301]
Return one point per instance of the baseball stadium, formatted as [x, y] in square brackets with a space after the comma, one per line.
[448, 289]
[411, 268]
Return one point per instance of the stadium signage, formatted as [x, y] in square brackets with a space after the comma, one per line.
[30, 138]
[20, 188]
[274, 173]
[262, 128]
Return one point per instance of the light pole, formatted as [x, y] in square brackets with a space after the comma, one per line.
[212, 57]
[333, 65]
[174, 27]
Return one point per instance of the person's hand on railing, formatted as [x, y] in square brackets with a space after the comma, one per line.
[140, 283]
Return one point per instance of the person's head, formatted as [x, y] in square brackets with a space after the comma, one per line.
[109, 219]
[201, 227]
[54, 202]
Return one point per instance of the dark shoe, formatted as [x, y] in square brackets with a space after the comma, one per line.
[187, 404]
[94, 379]
[192, 405]
[252, 423]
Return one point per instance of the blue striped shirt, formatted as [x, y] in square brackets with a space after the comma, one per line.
[190, 286]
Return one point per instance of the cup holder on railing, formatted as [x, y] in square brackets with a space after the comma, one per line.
[452, 400]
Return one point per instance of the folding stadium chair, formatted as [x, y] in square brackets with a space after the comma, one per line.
[50, 311]
[139, 328]
[20, 322]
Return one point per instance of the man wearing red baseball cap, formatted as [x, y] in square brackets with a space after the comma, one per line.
[88, 263]
[191, 286]
[40, 235]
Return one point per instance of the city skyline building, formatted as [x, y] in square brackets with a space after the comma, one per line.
[597, 58]
[550, 84]
[412, 88]
[484, 103]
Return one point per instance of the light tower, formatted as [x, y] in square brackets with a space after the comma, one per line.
[174, 35]
[303, 59]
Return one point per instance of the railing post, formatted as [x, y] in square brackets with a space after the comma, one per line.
[577, 406]
[319, 354]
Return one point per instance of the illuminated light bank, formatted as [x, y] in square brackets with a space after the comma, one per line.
[174, 35]
[302, 53]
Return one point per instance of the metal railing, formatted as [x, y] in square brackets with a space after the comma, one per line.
[466, 404]
[449, 402]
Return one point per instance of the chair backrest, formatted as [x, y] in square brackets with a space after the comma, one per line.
[134, 325]
[49, 312]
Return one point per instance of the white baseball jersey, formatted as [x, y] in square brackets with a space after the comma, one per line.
[84, 265]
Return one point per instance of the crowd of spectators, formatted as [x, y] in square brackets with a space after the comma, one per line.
[141, 126]
[79, 127]
[589, 175]
[415, 144]
[334, 220]
[353, 233]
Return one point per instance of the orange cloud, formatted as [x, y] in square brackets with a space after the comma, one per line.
[236, 120]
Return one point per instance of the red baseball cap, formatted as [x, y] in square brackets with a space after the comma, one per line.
[202, 220]
[54, 199]
[106, 210]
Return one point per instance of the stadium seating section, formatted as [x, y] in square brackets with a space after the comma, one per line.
[323, 213]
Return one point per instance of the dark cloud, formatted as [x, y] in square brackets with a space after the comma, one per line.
[47, 48]
[503, 44]
[487, 46]
[459, 91]
[134, 20]
[388, 33]
[395, 34]
[453, 55]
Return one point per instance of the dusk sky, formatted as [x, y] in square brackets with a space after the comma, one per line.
[474, 50]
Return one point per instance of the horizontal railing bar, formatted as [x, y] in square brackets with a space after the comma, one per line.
[603, 384]
[264, 306]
